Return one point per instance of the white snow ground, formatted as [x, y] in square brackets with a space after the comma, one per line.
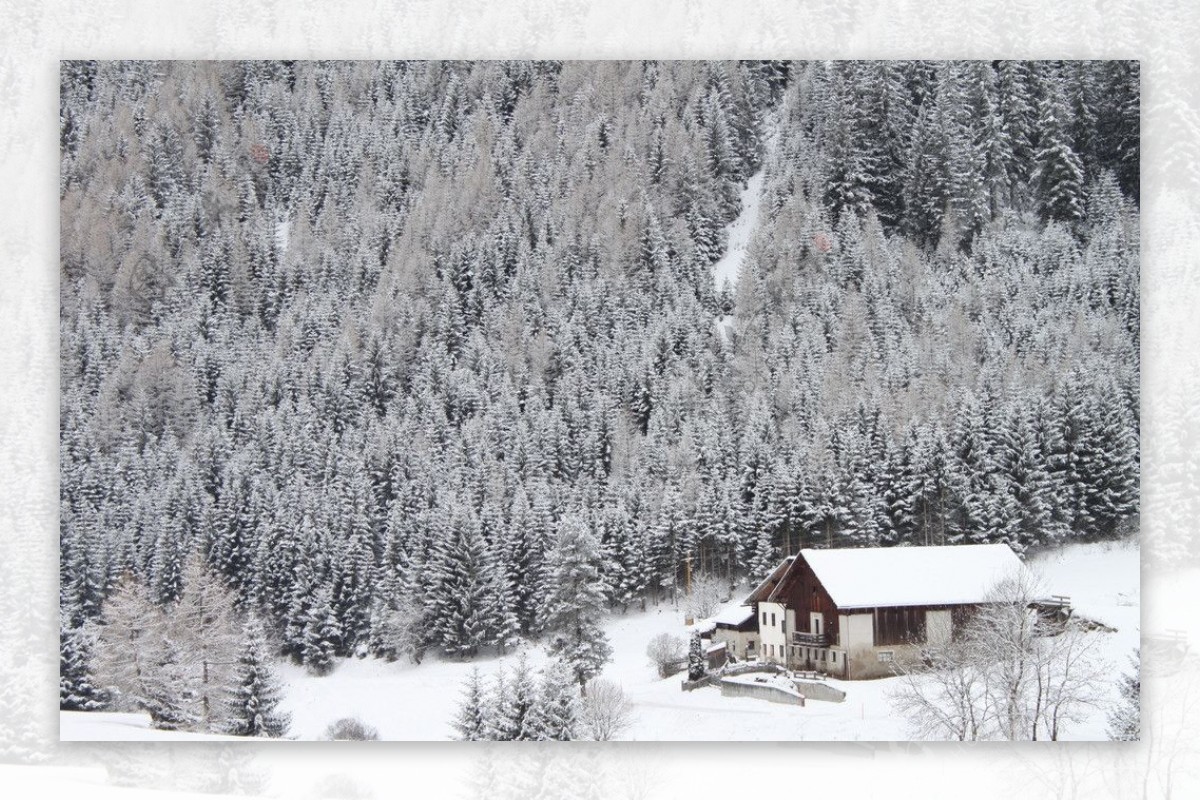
[120, 726]
[737, 237]
[739, 232]
[283, 234]
[411, 702]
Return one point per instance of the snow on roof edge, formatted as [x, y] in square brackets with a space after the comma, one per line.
[881, 577]
[733, 615]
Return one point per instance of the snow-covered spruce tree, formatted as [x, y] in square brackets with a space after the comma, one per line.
[696, 662]
[252, 709]
[1059, 172]
[459, 584]
[77, 689]
[474, 718]
[516, 697]
[557, 713]
[169, 693]
[1125, 718]
[321, 633]
[706, 595]
[352, 557]
[575, 600]
[505, 628]
[297, 602]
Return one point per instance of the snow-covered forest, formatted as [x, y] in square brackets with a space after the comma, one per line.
[409, 353]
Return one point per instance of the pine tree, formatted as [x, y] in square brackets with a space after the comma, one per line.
[168, 693]
[1124, 720]
[575, 600]
[321, 633]
[1018, 123]
[926, 186]
[1059, 172]
[460, 592]
[697, 665]
[516, 702]
[77, 688]
[474, 712]
[253, 707]
[556, 715]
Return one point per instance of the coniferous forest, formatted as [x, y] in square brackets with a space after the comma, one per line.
[429, 356]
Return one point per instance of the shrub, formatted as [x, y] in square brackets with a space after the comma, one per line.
[666, 654]
[350, 729]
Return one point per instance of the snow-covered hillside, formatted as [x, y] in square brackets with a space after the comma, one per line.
[417, 702]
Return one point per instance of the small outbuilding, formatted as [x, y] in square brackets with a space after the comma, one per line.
[736, 627]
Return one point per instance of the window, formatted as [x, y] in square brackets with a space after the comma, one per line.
[886, 656]
[764, 620]
[772, 618]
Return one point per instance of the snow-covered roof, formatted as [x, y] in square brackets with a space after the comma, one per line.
[768, 585]
[911, 576]
[733, 615]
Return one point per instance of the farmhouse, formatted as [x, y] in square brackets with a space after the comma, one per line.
[849, 612]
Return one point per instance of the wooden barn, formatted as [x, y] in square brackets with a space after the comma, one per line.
[849, 612]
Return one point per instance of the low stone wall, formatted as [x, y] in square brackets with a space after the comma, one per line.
[688, 686]
[752, 667]
[767, 692]
[818, 691]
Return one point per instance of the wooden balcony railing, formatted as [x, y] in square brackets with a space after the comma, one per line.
[810, 640]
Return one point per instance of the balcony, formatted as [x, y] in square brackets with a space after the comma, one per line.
[810, 640]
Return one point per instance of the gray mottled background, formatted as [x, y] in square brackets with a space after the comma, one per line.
[35, 36]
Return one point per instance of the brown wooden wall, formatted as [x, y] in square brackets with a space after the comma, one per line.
[803, 593]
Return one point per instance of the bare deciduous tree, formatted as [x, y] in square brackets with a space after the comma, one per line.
[1006, 675]
[176, 662]
[666, 653]
[607, 712]
[943, 696]
[706, 596]
[396, 629]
